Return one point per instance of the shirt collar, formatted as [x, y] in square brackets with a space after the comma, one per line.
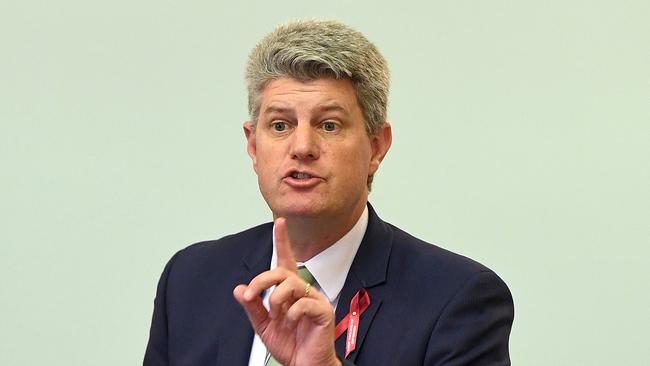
[331, 266]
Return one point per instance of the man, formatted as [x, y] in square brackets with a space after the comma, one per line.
[367, 293]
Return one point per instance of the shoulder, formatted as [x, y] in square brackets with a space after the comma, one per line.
[411, 263]
[434, 268]
[420, 253]
[222, 252]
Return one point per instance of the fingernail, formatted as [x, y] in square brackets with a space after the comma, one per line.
[248, 295]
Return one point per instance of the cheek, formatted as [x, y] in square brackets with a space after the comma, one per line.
[267, 159]
[356, 161]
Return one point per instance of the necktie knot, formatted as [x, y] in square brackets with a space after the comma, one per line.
[306, 276]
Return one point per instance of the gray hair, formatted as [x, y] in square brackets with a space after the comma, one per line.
[312, 49]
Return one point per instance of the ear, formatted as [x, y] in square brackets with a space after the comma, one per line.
[249, 133]
[380, 143]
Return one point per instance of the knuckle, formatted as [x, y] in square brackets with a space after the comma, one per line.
[285, 272]
[275, 301]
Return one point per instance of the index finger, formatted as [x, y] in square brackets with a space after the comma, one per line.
[282, 246]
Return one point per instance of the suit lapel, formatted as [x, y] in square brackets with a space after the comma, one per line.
[352, 286]
[237, 337]
[368, 271]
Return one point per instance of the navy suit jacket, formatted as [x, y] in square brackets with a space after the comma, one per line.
[428, 306]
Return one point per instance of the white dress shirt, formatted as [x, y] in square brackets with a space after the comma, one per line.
[329, 268]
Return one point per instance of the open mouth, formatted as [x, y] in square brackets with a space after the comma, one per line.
[302, 180]
[300, 175]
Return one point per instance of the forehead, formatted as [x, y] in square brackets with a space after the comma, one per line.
[319, 94]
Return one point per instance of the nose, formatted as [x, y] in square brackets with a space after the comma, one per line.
[304, 144]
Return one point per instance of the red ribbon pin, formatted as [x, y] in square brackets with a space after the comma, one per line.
[350, 323]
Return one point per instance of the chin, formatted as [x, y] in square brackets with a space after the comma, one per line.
[298, 212]
[297, 209]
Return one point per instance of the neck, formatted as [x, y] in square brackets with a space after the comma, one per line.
[310, 236]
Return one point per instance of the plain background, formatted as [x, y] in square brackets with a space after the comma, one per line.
[521, 133]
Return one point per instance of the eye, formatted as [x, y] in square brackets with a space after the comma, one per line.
[329, 126]
[279, 126]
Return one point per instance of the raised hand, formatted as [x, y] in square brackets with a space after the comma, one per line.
[298, 329]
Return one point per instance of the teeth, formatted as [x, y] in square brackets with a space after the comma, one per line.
[301, 175]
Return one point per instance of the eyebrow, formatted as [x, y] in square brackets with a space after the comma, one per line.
[321, 108]
[332, 107]
[275, 109]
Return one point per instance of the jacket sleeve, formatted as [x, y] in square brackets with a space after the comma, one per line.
[474, 327]
[156, 353]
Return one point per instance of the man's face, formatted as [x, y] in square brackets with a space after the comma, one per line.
[310, 148]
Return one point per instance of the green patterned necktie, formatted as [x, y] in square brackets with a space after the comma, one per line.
[306, 276]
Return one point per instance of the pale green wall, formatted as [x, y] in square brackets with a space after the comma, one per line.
[522, 141]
